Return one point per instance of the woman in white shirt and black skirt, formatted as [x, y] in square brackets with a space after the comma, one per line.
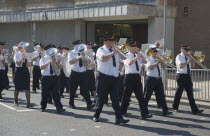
[21, 74]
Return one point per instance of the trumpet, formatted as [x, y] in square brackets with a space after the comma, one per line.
[198, 59]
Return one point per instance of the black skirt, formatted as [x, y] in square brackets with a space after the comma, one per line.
[2, 79]
[22, 79]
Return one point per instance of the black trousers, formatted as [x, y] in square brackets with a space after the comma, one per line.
[91, 84]
[108, 84]
[155, 84]
[79, 79]
[36, 77]
[7, 78]
[64, 82]
[50, 85]
[133, 84]
[184, 81]
[2, 80]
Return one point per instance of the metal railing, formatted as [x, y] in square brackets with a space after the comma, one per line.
[82, 5]
[200, 78]
[201, 83]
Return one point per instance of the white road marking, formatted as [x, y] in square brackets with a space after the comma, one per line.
[97, 126]
[143, 122]
[203, 118]
[25, 110]
[44, 133]
[9, 107]
[72, 129]
[165, 120]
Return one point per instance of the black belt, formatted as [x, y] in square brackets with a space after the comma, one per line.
[107, 75]
[154, 77]
[78, 72]
[132, 74]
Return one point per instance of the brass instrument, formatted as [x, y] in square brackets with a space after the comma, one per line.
[198, 59]
[23, 44]
[122, 49]
[82, 48]
[166, 59]
[52, 52]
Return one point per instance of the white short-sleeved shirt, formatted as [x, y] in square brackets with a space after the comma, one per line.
[153, 72]
[35, 54]
[92, 66]
[18, 57]
[45, 72]
[107, 67]
[180, 58]
[2, 67]
[75, 67]
[131, 69]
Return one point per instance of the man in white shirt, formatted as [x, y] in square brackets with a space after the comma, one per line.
[154, 82]
[133, 80]
[36, 68]
[65, 72]
[78, 76]
[50, 81]
[90, 71]
[184, 63]
[108, 81]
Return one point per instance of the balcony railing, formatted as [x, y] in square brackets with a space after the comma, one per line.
[81, 5]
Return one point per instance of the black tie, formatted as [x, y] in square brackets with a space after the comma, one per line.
[158, 69]
[113, 59]
[188, 66]
[137, 66]
[51, 69]
[80, 61]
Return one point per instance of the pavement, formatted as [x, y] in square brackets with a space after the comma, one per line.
[20, 121]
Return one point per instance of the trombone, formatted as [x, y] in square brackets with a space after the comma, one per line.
[166, 59]
[198, 59]
[122, 50]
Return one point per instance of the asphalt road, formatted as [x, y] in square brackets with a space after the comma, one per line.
[20, 121]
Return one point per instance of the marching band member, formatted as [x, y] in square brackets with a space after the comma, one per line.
[184, 63]
[90, 71]
[78, 76]
[2, 73]
[21, 74]
[133, 80]
[108, 80]
[154, 82]
[36, 68]
[50, 80]
[65, 72]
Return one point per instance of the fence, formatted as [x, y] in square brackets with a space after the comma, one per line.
[200, 78]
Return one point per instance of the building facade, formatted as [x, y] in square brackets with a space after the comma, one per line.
[62, 21]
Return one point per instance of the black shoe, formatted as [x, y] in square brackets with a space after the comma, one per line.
[73, 106]
[62, 96]
[42, 110]
[176, 110]
[121, 121]
[95, 119]
[16, 103]
[34, 91]
[198, 111]
[29, 106]
[50, 102]
[146, 116]
[60, 110]
[125, 115]
[90, 106]
[38, 88]
[165, 113]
